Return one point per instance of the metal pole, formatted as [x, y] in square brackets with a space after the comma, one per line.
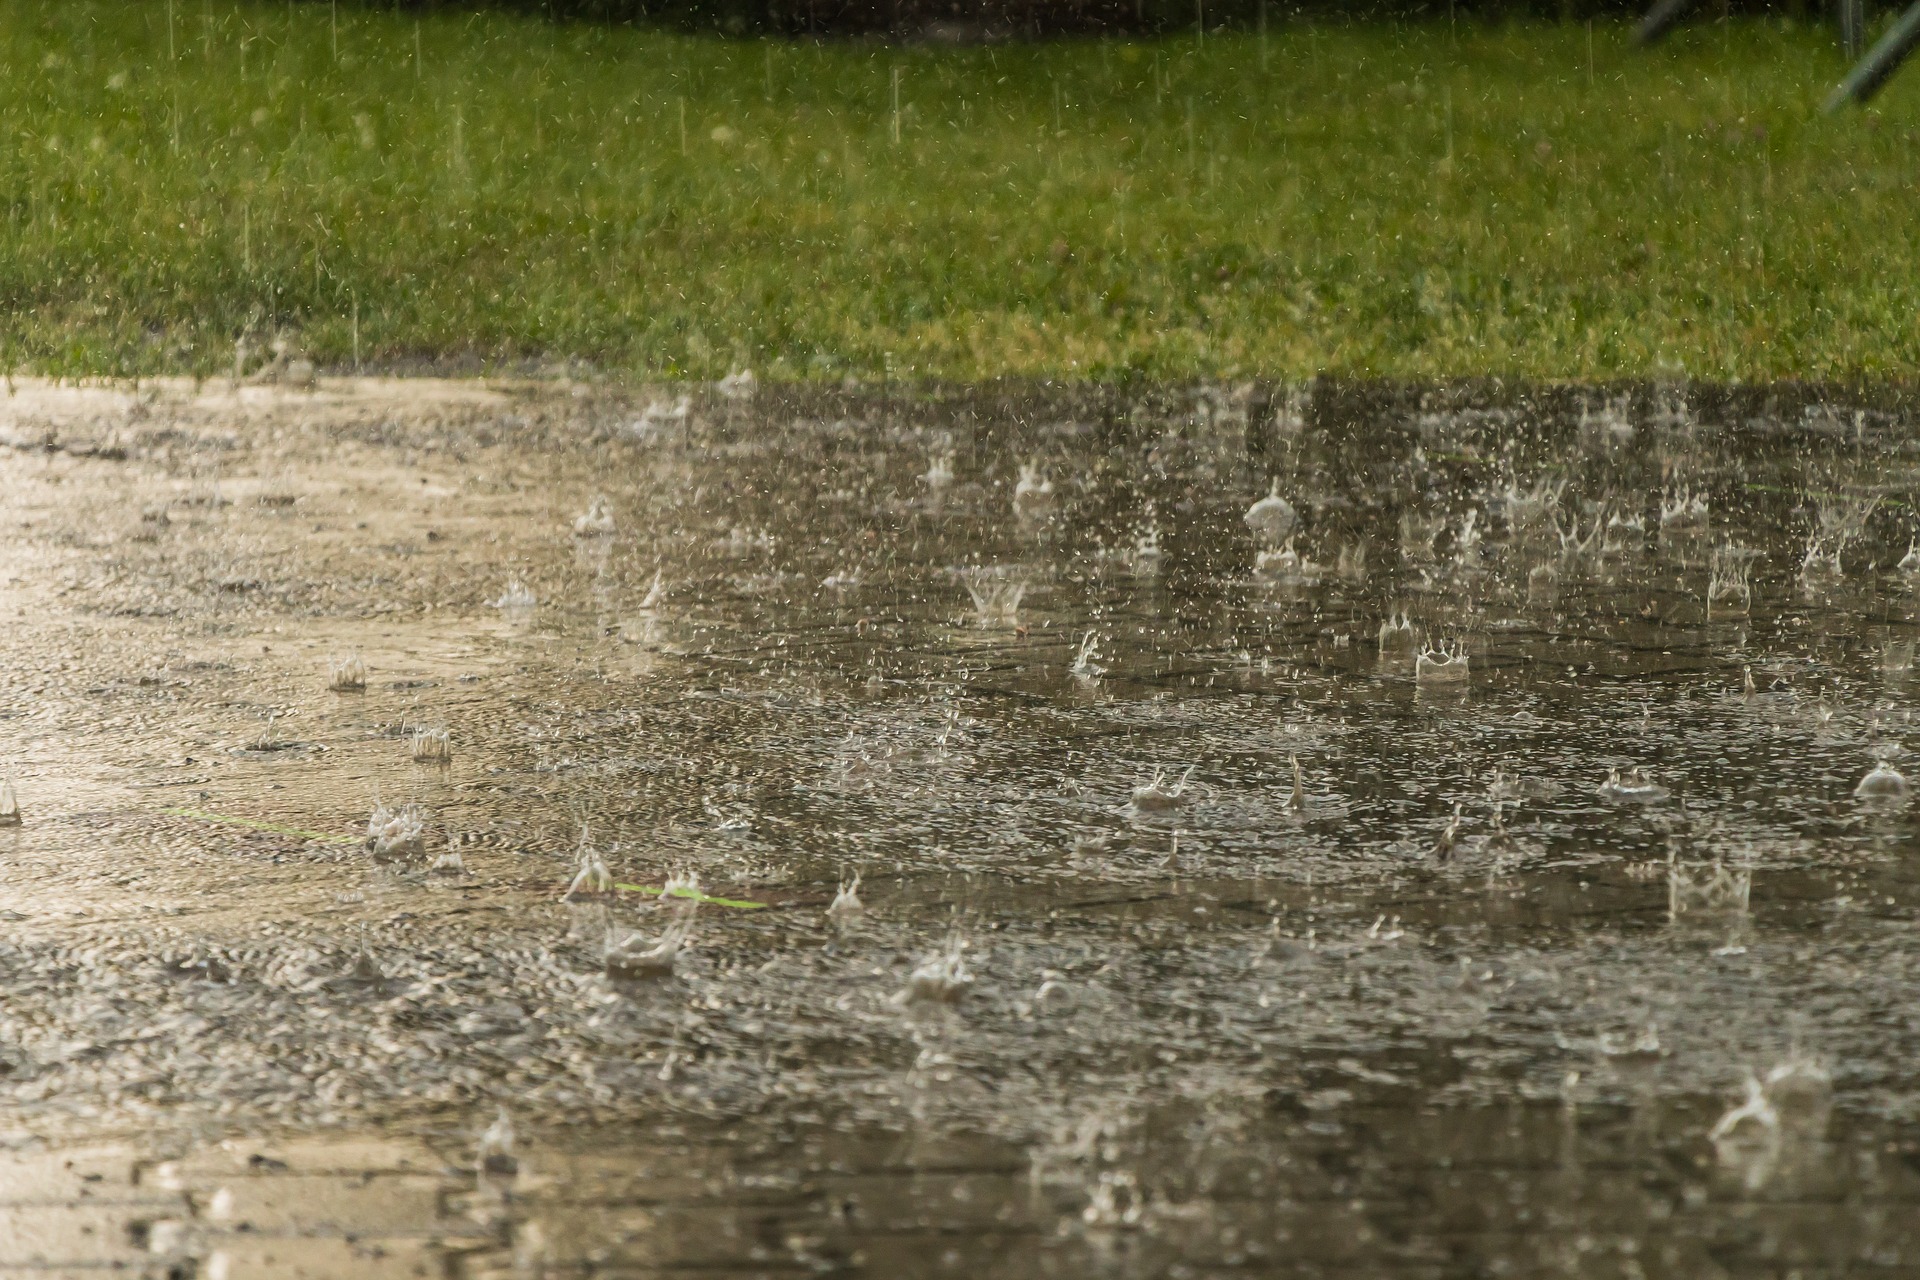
[1660, 19]
[1880, 63]
[1853, 26]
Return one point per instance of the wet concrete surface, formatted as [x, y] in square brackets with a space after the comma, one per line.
[1476, 991]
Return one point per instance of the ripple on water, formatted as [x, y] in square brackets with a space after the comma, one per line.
[1181, 992]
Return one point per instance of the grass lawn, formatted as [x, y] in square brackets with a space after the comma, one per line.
[1395, 200]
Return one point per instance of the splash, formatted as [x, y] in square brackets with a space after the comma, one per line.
[266, 741]
[1746, 1139]
[633, 956]
[1417, 535]
[997, 592]
[1671, 410]
[430, 746]
[1822, 559]
[1350, 562]
[1114, 1201]
[939, 472]
[1576, 544]
[1683, 510]
[1449, 840]
[1635, 786]
[1753, 1121]
[659, 414]
[1441, 666]
[1529, 508]
[1643, 1046]
[1624, 533]
[517, 598]
[743, 541]
[9, 804]
[1054, 994]
[681, 888]
[1286, 567]
[1397, 635]
[1033, 492]
[1841, 519]
[1273, 518]
[1290, 409]
[1729, 590]
[597, 521]
[1611, 422]
[395, 835]
[1085, 662]
[1499, 841]
[1713, 889]
[347, 674]
[1882, 782]
[591, 878]
[727, 819]
[365, 970]
[1466, 540]
[1801, 1091]
[846, 906]
[496, 1146]
[1297, 801]
[1158, 794]
[941, 978]
[1145, 558]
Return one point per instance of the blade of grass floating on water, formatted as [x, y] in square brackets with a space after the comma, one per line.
[254, 824]
[694, 896]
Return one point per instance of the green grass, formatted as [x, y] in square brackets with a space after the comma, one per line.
[1527, 200]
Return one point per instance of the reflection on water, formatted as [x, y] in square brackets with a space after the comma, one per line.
[1304, 830]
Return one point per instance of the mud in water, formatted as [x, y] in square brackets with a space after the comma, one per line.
[1492, 855]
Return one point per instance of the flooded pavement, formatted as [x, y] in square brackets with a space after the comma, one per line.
[1338, 831]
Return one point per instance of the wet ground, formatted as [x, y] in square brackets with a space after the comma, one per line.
[1477, 989]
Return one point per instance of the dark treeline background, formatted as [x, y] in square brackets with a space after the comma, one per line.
[1004, 19]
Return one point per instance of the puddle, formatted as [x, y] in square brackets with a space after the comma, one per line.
[1407, 877]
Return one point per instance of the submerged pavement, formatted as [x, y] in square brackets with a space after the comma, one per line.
[1466, 866]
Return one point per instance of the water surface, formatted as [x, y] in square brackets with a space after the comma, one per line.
[1451, 1005]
